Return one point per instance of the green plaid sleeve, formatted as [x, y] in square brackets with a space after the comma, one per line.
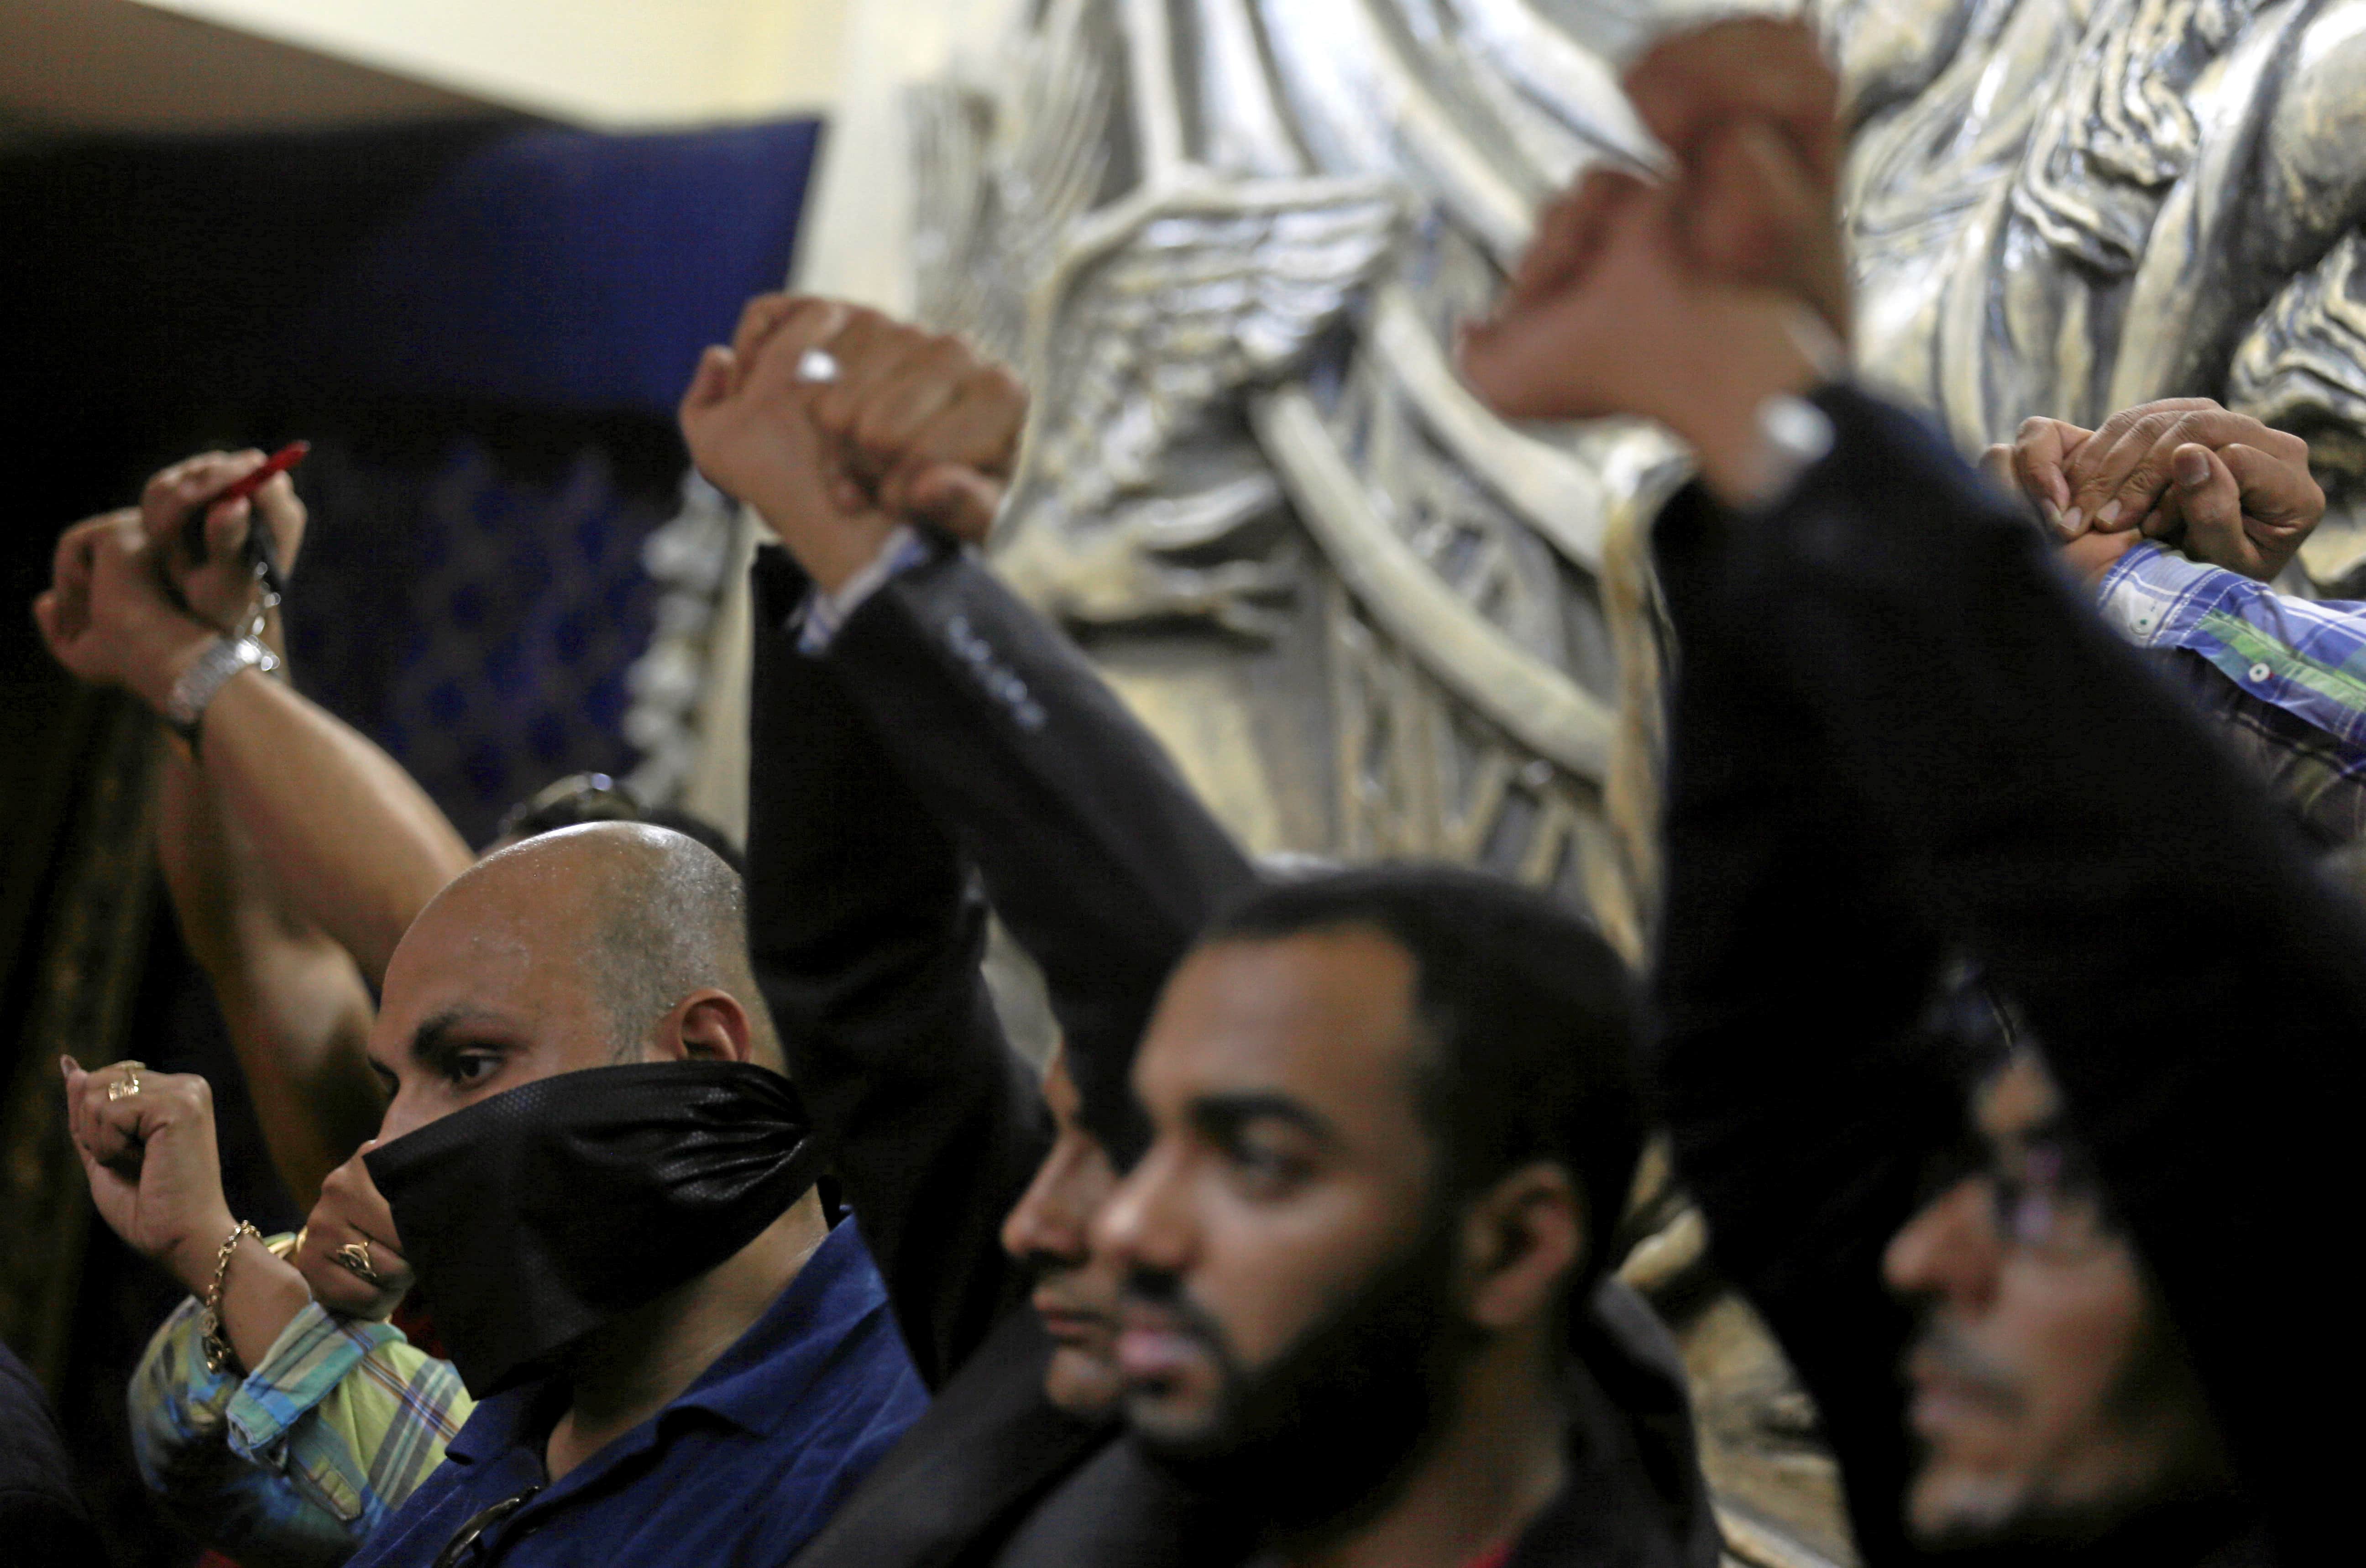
[307, 1454]
[352, 1410]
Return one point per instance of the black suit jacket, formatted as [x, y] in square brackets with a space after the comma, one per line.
[948, 746]
[1896, 736]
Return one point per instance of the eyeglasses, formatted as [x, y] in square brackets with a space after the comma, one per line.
[2051, 1205]
[466, 1549]
[2042, 1197]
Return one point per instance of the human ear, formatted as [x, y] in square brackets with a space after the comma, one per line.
[1520, 1241]
[708, 1025]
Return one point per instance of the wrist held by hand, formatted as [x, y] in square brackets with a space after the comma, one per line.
[215, 1344]
[202, 677]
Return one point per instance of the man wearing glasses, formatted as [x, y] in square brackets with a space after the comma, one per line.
[1898, 743]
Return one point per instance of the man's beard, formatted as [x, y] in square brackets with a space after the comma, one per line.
[2185, 1499]
[1327, 1435]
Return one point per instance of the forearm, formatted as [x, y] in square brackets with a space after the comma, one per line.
[1787, 981]
[866, 936]
[261, 1292]
[1093, 850]
[1997, 736]
[352, 841]
[297, 1011]
[303, 1456]
[2304, 657]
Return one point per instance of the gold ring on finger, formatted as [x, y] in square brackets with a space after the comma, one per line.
[124, 1087]
[354, 1258]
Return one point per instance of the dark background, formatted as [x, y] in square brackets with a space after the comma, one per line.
[482, 326]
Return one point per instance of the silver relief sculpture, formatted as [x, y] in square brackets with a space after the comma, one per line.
[2063, 209]
[1227, 243]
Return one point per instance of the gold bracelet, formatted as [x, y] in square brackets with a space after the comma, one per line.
[217, 1348]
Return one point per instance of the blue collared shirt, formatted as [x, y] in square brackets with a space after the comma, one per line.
[741, 1470]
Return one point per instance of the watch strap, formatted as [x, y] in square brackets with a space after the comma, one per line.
[198, 685]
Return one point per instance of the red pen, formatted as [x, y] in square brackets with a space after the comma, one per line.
[261, 547]
[279, 462]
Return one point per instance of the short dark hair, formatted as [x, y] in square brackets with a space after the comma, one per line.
[1533, 1024]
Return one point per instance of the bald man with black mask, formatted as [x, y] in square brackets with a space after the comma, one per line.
[599, 1173]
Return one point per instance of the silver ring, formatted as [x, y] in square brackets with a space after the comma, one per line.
[817, 365]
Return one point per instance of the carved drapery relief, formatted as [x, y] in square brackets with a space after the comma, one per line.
[2065, 210]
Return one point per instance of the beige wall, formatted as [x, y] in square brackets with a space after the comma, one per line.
[594, 63]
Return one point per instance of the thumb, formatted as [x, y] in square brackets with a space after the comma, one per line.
[2208, 502]
[958, 501]
[1759, 218]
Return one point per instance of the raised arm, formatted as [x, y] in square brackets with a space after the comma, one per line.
[295, 851]
[1802, 1098]
[2043, 800]
[866, 934]
[2196, 986]
[1092, 848]
[349, 840]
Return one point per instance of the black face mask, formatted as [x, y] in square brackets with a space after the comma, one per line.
[535, 1217]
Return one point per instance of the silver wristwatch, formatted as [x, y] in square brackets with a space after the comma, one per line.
[223, 658]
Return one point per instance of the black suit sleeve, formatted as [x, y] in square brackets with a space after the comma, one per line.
[2200, 992]
[1094, 851]
[1799, 1097]
[866, 929]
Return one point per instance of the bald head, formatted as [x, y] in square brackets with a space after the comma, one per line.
[608, 942]
[659, 915]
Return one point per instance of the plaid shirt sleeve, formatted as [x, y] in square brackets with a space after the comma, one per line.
[309, 1453]
[2304, 657]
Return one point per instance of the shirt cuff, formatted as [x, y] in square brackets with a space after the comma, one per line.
[304, 1365]
[176, 1401]
[2154, 597]
[823, 614]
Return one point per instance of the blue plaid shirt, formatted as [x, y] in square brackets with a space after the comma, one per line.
[2286, 677]
[299, 1460]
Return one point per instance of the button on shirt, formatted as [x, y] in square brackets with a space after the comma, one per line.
[741, 1470]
